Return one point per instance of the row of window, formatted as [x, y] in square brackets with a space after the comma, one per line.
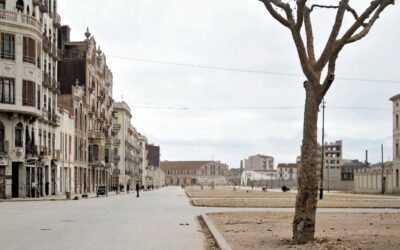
[194, 172]
[7, 94]
[31, 52]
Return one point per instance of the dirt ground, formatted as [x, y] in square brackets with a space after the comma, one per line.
[268, 230]
[227, 197]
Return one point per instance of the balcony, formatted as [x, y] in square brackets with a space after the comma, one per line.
[117, 141]
[43, 151]
[20, 19]
[43, 5]
[56, 155]
[55, 85]
[46, 80]
[117, 158]
[116, 127]
[101, 95]
[55, 119]
[46, 44]
[57, 21]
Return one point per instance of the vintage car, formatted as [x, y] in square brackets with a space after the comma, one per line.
[102, 190]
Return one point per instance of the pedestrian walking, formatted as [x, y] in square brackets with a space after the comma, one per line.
[137, 189]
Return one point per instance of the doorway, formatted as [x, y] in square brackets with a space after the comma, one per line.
[15, 180]
[2, 182]
[53, 181]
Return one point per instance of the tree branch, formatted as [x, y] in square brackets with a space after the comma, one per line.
[368, 26]
[324, 58]
[376, 6]
[330, 77]
[274, 13]
[301, 4]
[309, 35]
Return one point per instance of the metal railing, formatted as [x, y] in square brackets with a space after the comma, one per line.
[7, 56]
[29, 59]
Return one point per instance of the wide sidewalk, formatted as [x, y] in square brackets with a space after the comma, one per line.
[160, 219]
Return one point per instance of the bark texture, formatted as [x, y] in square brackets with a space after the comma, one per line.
[306, 201]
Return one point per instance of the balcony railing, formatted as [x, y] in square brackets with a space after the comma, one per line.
[57, 20]
[29, 59]
[46, 80]
[7, 55]
[19, 18]
[46, 44]
[116, 126]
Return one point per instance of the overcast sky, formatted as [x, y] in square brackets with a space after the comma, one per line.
[203, 114]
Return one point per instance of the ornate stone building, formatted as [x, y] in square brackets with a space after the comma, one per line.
[84, 64]
[28, 97]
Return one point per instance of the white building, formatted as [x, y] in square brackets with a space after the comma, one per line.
[378, 178]
[288, 171]
[28, 97]
[259, 178]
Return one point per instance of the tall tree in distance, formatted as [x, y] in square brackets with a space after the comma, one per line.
[319, 73]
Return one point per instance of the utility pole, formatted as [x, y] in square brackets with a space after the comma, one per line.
[383, 166]
[321, 189]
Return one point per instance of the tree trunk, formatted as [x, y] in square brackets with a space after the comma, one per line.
[306, 202]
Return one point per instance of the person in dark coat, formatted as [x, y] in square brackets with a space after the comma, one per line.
[137, 189]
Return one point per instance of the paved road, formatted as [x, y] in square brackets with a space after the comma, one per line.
[117, 222]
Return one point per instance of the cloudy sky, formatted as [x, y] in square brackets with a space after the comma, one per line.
[201, 113]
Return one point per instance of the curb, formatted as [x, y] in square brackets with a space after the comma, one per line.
[216, 234]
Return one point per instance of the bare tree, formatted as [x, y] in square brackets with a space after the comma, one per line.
[296, 16]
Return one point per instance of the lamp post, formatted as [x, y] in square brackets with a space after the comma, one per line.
[321, 189]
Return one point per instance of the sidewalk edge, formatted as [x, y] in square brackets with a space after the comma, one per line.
[216, 234]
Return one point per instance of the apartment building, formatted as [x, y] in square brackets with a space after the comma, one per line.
[85, 65]
[259, 163]
[333, 162]
[126, 148]
[28, 97]
[195, 172]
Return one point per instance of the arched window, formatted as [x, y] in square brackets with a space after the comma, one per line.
[2, 147]
[18, 135]
[20, 6]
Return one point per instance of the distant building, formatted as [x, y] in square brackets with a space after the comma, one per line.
[260, 178]
[396, 142]
[288, 171]
[195, 172]
[348, 168]
[234, 177]
[378, 178]
[153, 155]
[259, 163]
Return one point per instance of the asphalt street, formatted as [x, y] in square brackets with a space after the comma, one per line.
[161, 219]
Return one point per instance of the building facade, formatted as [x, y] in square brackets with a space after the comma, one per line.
[195, 172]
[383, 178]
[85, 65]
[28, 97]
[288, 171]
[259, 163]
[396, 143]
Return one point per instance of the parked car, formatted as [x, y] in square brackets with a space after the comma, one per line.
[102, 190]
